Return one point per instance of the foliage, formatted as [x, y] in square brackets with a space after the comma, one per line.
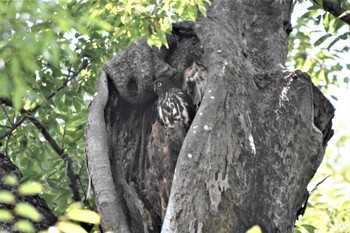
[319, 45]
[329, 207]
[20, 212]
[75, 213]
[319, 57]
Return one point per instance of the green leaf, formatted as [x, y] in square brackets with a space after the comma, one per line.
[334, 97]
[87, 216]
[333, 42]
[165, 25]
[346, 80]
[254, 229]
[309, 228]
[5, 215]
[69, 227]
[296, 230]
[326, 21]
[30, 188]
[24, 226]
[203, 10]
[345, 36]
[321, 39]
[27, 210]
[6, 197]
[318, 20]
[10, 180]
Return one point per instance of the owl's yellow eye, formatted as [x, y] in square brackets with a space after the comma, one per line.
[159, 84]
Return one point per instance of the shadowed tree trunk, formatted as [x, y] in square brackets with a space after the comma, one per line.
[257, 139]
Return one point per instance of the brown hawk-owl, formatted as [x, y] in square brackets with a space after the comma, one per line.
[178, 99]
[173, 105]
[175, 111]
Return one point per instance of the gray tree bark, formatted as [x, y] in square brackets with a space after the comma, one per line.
[257, 139]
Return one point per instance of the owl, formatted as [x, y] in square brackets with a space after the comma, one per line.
[173, 105]
[175, 111]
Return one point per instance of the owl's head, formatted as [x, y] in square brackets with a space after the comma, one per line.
[161, 85]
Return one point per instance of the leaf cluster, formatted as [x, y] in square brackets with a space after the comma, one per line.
[320, 57]
[16, 211]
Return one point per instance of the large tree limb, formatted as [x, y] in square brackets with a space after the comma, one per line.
[334, 7]
[107, 200]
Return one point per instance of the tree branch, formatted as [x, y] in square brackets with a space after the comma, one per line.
[70, 170]
[65, 84]
[8, 102]
[8, 117]
[334, 8]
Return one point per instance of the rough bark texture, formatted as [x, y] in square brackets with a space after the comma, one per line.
[98, 160]
[256, 141]
[48, 218]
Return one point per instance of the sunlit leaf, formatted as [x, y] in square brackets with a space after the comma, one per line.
[5, 215]
[309, 228]
[10, 180]
[69, 227]
[82, 215]
[27, 210]
[6, 197]
[333, 42]
[203, 10]
[24, 226]
[344, 14]
[321, 39]
[30, 188]
[254, 229]
[326, 21]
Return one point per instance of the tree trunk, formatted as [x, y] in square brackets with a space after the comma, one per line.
[257, 139]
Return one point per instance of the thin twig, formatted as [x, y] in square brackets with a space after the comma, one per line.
[70, 171]
[3, 108]
[8, 102]
[28, 115]
[65, 84]
[5, 126]
[7, 144]
[15, 126]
